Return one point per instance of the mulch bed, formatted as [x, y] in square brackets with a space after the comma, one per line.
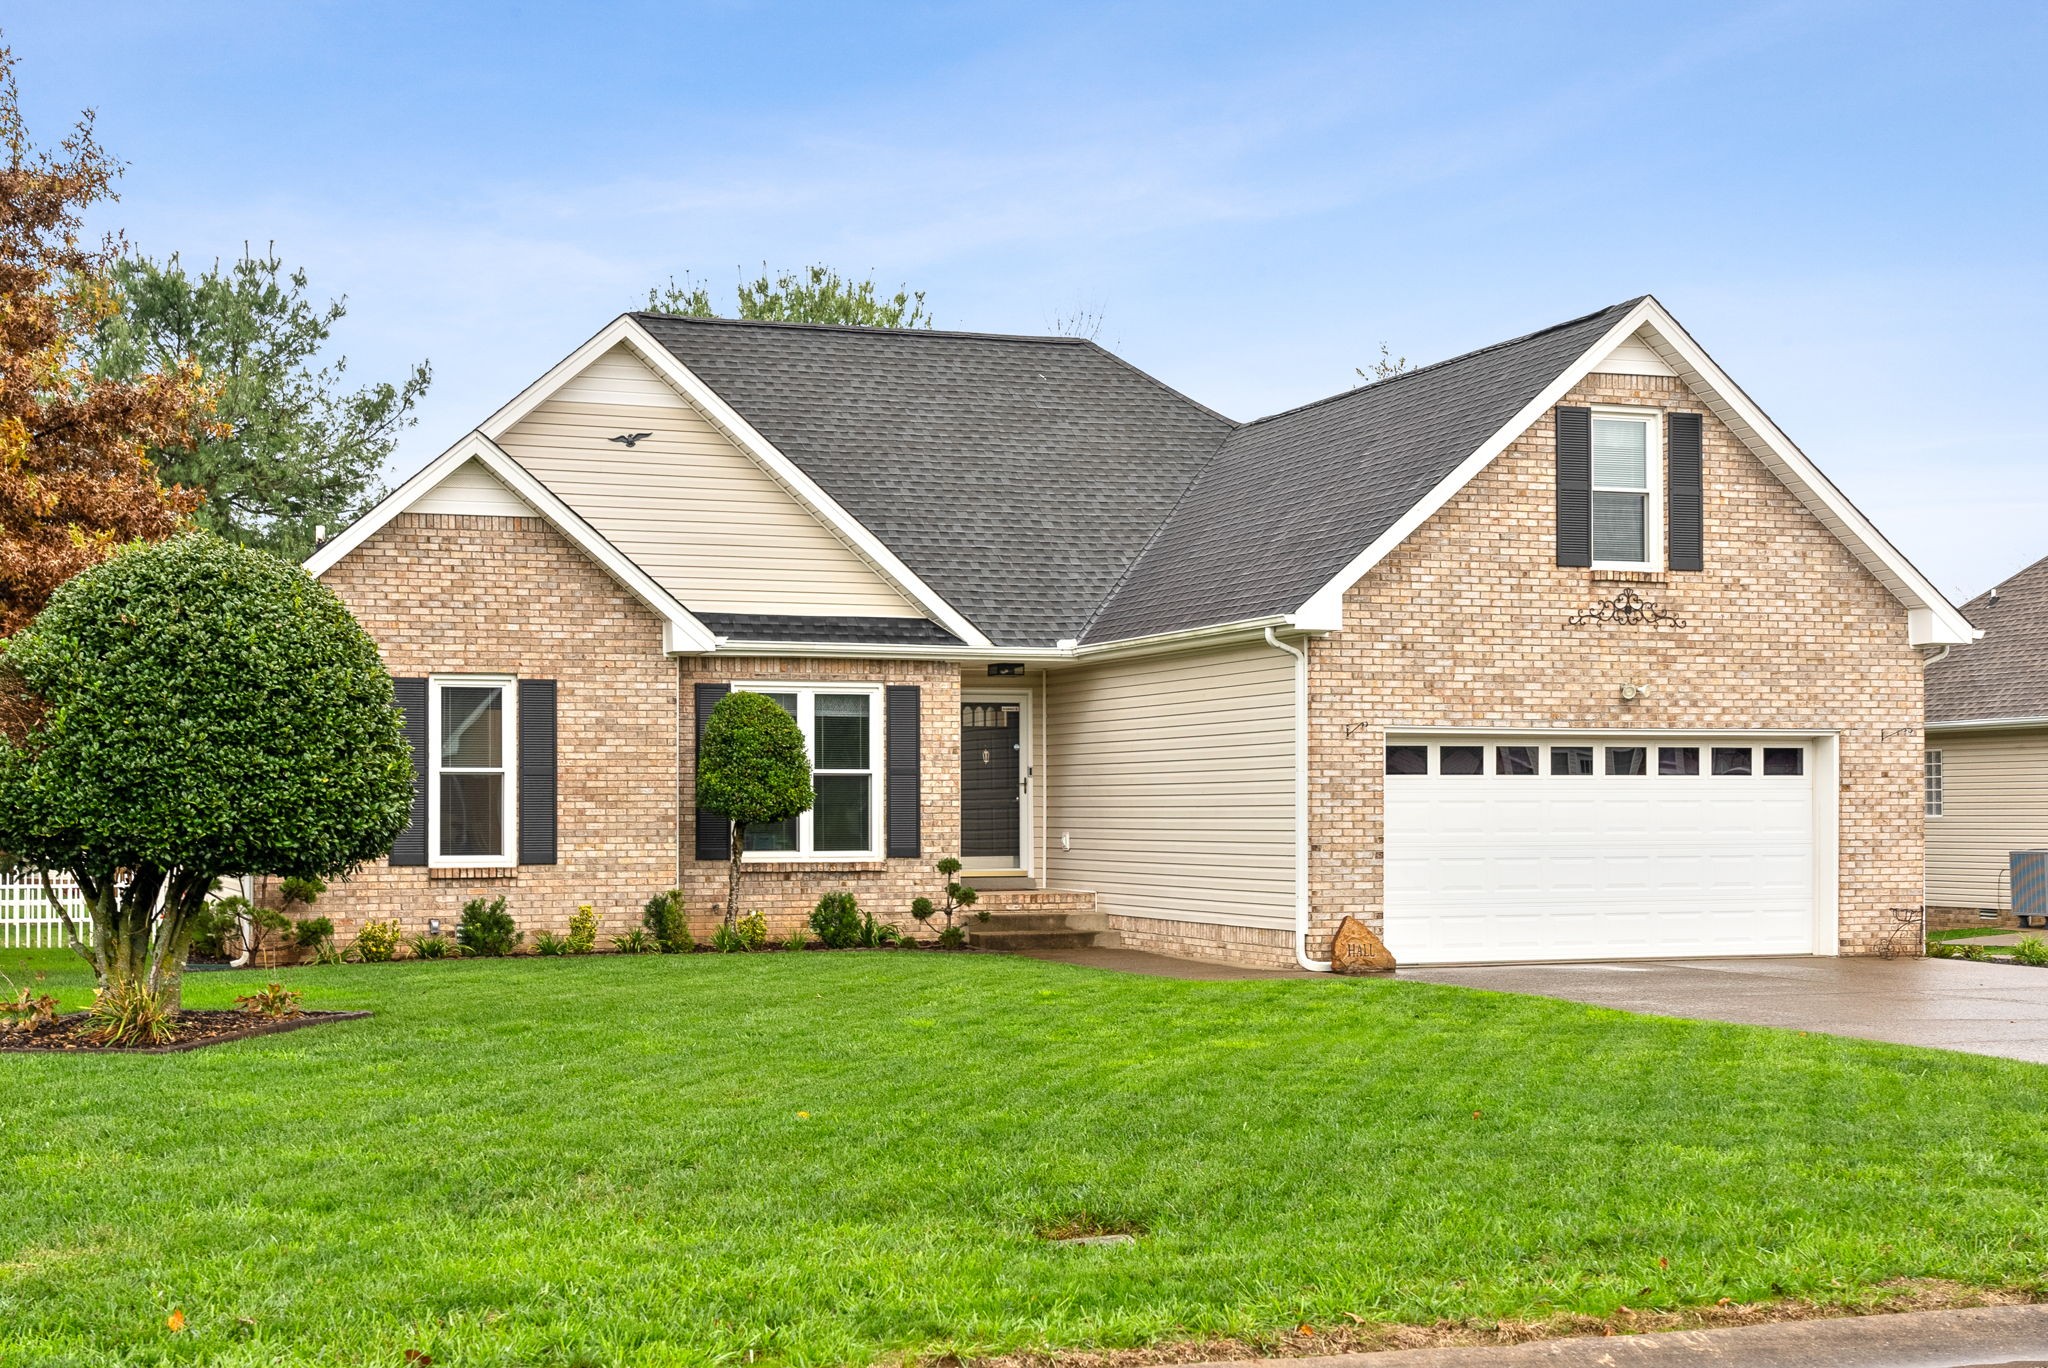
[196, 1030]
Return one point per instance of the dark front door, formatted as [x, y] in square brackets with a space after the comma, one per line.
[991, 775]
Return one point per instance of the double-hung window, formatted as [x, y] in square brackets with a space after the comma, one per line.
[469, 794]
[1627, 467]
[842, 727]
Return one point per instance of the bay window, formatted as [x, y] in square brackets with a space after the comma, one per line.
[842, 727]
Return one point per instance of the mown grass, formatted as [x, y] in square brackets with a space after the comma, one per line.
[833, 1158]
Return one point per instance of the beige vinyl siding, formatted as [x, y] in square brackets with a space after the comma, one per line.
[1173, 778]
[469, 488]
[686, 504]
[1994, 801]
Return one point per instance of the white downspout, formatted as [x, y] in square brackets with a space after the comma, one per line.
[1301, 955]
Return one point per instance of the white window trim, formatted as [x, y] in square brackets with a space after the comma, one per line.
[806, 692]
[1933, 785]
[508, 750]
[1653, 497]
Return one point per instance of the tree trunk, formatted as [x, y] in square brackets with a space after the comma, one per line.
[732, 878]
[141, 933]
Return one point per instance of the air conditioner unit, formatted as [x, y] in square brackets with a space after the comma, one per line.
[2030, 886]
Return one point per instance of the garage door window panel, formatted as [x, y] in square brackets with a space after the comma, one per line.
[1784, 761]
[1516, 759]
[1678, 760]
[1571, 759]
[1731, 760]
[1407, 759]
[1461, 760]
[1627, 760]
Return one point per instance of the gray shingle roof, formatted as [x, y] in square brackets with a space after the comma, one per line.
[1018, 476]
[1291, 499]
[1049, 490]
[841, 631]
[2006, 673]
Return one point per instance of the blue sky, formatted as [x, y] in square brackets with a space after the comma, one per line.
[1846, 203]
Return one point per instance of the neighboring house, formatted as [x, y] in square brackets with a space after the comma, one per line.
[1557, 650]
[1986, 768]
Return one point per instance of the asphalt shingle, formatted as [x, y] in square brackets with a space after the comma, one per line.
[841, 631]
[2006, 673]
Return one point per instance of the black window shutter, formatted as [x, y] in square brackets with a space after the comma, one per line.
[1574, 486]
[1684, 496]
[536, 771]
[714, 833]
[900, 714]
[411, 846]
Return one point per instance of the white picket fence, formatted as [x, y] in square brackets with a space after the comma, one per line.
[27, 921]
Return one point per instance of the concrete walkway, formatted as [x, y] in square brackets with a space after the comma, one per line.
[1990, 1009]
[2004, 1336]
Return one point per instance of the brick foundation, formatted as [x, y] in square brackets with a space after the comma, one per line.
[1960, 918]
[1257, 947]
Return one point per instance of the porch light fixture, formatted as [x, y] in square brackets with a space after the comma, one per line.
[1006, 670]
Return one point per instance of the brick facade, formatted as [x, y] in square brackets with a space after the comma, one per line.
[463, 594]
[1258, 947]
[1464, 625]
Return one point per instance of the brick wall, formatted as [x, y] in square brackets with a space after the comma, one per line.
[1464, 624]
[450, 594]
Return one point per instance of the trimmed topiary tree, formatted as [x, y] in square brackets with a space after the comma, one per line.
[181, 713]
[753, 769]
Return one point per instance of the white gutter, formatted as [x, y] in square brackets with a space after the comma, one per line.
[1301, 899]
[1988, 724]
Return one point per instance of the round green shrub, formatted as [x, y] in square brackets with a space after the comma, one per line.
[837, 921]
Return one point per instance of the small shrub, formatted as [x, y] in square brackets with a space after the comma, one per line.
[953, 937]
[666, 921]
[377, 942]
[327, 952]
[274, 1001]
[876, 935]
[308, 934]
[837, 920]
[796, 940]
[635, 942]
[1977, 953]
[2031, 950]
[727, 940]
[1941, 950]
[752, 930]
[431, 947]
[549, 944]
[487, 928]
[211, 927]
[582, 930]
[959, 898]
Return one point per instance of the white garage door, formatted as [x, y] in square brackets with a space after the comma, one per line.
[1598, 848]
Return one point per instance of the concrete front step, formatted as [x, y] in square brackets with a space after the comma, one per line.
[1045, 921]
[1035, 900]
[989, 936]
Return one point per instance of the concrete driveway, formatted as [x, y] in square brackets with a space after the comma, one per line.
[1990, 1009]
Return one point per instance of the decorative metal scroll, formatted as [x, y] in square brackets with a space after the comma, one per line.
[1627, 609]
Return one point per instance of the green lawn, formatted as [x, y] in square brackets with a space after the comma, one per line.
[833, 1158]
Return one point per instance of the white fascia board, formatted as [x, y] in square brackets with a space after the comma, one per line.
[627, 330]
[681, 631]
[1163, 643]
[1931, 619]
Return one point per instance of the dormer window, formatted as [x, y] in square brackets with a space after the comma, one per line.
[1626, 471]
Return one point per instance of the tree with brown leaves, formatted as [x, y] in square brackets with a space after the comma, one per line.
[75, 478]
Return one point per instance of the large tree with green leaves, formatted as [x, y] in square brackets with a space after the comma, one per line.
[753, 769]
[181, 713]
[288, 446]
[816, 294]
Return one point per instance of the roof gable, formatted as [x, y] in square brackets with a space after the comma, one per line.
[1020, 477]
[690, 507]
